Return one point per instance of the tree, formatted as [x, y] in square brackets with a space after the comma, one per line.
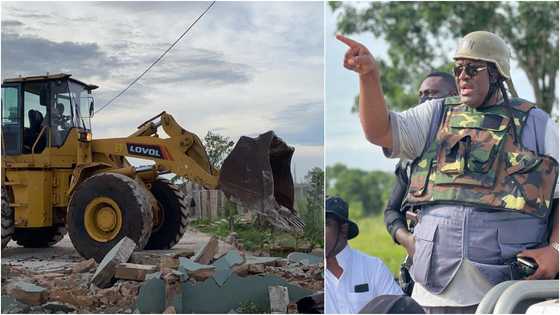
[417, 31]
[370, 189]
[313, 216]
[218, 147]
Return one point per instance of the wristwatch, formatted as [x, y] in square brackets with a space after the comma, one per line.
[554, 245]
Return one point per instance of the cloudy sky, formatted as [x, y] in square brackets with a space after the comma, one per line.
[345, 142]
[245, 68]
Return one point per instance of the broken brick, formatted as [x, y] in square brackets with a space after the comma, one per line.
[207, 252]
[153, 257]
[134, 272]
[168, 262]
[256, 268]
[29, 293]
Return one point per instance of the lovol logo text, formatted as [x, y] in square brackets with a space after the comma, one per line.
[144, 150]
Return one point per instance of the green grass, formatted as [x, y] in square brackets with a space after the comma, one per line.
[252, 236]
[376, 241]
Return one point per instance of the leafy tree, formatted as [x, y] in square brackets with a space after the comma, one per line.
[370, 189]
[313, 216]
[218, 148]
[417, 31]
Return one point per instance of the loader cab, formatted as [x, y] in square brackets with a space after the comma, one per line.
[39, 112]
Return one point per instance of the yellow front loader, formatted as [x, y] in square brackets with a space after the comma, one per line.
[56, 178]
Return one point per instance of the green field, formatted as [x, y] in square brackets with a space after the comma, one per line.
[376, 241]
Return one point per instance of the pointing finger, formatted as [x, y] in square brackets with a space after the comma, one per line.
[347, 41]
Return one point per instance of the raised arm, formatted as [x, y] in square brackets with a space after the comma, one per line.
[374, 114]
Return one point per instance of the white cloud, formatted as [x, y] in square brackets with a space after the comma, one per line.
[239, 71]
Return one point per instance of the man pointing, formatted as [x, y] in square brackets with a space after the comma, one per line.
[484, 177]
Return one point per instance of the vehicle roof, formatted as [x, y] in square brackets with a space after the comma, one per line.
[57, 76]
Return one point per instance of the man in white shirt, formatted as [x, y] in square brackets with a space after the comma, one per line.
[352, 278]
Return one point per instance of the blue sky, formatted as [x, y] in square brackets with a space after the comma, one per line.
[235, 73]
[345, 142]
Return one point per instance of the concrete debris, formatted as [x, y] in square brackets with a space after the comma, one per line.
[134, 272]
[279, 299]
[304, 258]
[318, 252]
[29, 293]
[225, 264]
[241, 270]
[84, 266]
[231, 259]
[155, 275]
[266, 261]
[208, 297]
[172, 283]
[55, 307]
[168, 262]
[151, 298]
[207, 252]
[221, 276]
[153, 257]
[103, 276]
[10, 305]
[198, 272]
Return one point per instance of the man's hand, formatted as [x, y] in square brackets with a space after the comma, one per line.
[358, 57]
[406, 239]
[546, 258]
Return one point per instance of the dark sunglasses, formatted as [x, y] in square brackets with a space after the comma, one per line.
[470, 70]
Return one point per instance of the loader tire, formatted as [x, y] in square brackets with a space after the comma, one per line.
[39, 237]
[7, 219]
[174, 215]
[104, 209]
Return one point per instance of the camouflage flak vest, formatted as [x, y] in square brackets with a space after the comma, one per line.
[474, 160]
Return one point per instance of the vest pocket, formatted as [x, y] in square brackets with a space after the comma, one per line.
[470, 158]
[514, 237]
[424, 235]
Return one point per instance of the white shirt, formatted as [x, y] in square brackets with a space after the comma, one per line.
[359, 270]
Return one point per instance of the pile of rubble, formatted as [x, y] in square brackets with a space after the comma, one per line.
[172, 281]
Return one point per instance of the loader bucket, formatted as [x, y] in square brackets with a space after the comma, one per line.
[257, 175]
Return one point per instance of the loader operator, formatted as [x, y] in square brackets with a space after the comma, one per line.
[484, 183]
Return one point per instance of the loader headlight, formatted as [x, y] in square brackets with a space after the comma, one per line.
[85, 136]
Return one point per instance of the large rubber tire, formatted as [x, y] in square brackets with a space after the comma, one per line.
[7, 219]
[174, 215]
[39, 237]
[131, 199]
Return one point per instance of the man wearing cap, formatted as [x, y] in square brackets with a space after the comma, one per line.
[352, 278]
[484, 179]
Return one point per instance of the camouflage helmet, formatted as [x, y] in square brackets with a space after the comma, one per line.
[485, 46]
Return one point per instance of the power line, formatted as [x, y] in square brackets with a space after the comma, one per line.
[158, 59]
